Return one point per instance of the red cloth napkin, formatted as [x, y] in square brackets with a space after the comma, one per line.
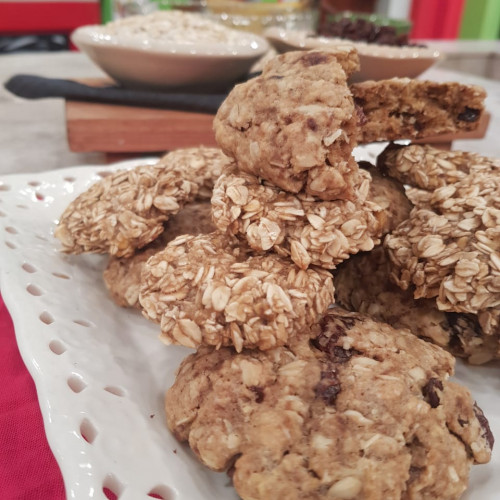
[28, 470]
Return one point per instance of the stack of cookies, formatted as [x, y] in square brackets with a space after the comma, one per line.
[289, 208]
[293, 398]
[438, 273]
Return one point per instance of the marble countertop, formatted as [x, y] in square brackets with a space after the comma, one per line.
[32, 132]
[33, 135]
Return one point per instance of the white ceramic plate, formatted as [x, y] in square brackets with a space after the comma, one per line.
[153, 64]
[377, 62]
[101, 372]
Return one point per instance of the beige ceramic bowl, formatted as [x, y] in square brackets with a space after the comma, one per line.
[151, 64]
[377, 62]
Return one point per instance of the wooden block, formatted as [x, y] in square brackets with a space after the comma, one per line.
[113, 128]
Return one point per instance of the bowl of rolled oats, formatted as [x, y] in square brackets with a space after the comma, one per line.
[168, 49]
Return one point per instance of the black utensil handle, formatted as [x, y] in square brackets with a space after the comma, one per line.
[37, 87]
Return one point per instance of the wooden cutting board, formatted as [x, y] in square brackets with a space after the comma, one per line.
[112, 128]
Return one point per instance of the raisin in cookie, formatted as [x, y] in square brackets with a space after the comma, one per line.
[208, 289]
[362, 284]
[122, 276]
[361, 412]
[429, 168]
[311, 232]
[127, 209]
[294, 125]
[401, 108]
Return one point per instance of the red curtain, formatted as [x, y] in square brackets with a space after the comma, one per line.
[47, 17]
[433, 19]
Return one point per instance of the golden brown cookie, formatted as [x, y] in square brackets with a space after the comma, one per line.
[402, 108]
[429, 168]
[294, 125]
[127, 209]
[450, 250]
[209, 290]
[310, 232]
[361, 412]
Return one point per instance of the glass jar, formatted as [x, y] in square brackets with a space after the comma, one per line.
[257, 16]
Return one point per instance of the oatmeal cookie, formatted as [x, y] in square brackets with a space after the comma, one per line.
[362, 411]
[294, 126]
[122, 276]
[127, 209]
[208, 289]
[311, 232]
[451, 250]
[401, 108]
[429, 168]
[362, 284]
